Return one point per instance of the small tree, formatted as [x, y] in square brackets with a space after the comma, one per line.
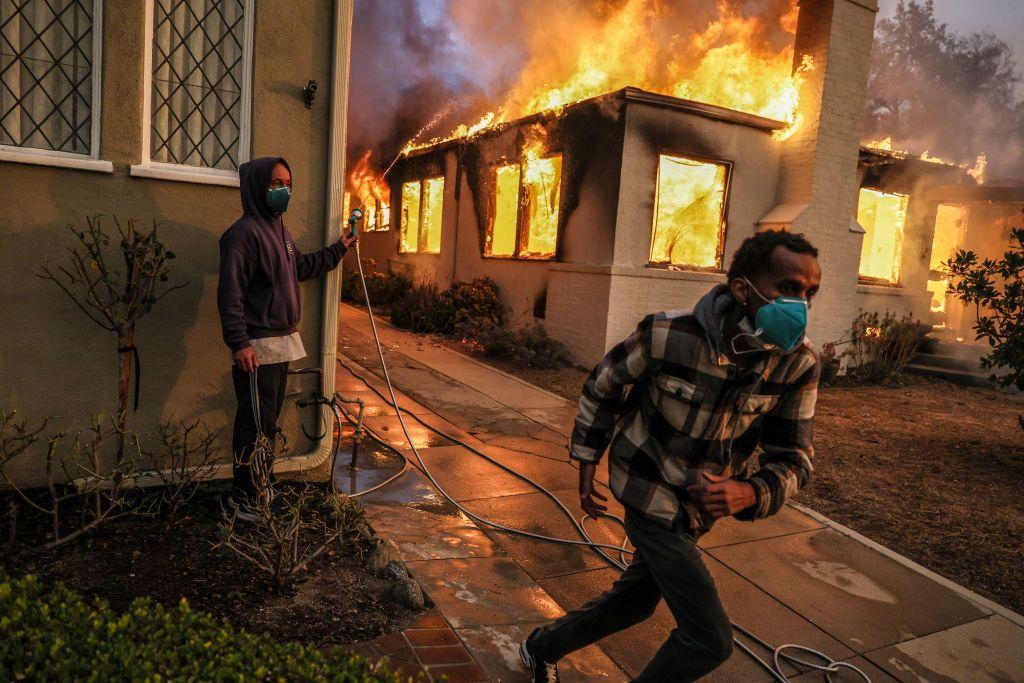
[996, 288]
[116, 298]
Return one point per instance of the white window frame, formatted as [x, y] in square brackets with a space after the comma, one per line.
[148, 168]
[82, 162]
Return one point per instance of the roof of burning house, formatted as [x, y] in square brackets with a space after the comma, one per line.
[627, 94]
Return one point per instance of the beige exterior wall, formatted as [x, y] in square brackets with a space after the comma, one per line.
[55, 362]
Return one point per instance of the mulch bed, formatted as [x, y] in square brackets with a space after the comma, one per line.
[337, 601]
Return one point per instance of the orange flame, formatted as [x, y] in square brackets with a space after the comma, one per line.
[724, 64]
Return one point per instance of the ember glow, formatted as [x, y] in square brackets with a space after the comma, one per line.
[725, 62]
[950, 226]
[883, 216]
[371, 193]
[689, 213]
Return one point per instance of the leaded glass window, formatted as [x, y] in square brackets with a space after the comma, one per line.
[199, 100]
[48, 50]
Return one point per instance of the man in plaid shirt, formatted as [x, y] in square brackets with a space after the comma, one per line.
[681, 406]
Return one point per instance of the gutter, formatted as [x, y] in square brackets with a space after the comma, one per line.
[332, 231]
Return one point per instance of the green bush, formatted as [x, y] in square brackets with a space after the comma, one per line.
[384, 288]
[422, 309]
[57, 635]
[528, 346]
[469, 302]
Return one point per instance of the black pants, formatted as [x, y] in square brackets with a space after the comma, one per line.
[271, 382]
[667, 565]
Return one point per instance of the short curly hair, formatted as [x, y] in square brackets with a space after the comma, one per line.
[754, 255]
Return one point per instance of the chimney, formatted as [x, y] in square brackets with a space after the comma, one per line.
[818, 185]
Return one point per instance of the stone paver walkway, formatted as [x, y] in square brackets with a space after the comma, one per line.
[793, 578]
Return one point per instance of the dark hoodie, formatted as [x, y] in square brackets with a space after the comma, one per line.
[261, 267]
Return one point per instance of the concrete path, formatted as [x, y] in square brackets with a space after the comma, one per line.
[796, 577]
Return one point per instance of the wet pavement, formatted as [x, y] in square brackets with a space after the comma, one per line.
[791, 578]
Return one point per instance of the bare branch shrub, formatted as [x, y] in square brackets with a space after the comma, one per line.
[115, 298]
[81, 492]
[184, 458]
[881, 347]
[295, 525]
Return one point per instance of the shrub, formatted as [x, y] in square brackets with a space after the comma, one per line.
[421, 309]
[384, 288]
[55, 634]
[469, 302]
[1000, 317]
[529, 346]
[881, 347]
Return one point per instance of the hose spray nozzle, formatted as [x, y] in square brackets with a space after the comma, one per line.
[353, 219]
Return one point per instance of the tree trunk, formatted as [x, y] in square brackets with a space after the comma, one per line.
[125, 342]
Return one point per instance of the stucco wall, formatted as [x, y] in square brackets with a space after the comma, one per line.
[588, 137]
[55, 362]
[638, 289]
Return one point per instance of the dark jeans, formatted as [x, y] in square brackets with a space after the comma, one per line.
[667, 565]
[271, 382]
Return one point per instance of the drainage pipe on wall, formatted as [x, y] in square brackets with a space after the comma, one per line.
[332, 231]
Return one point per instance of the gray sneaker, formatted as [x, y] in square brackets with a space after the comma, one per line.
[540, 671]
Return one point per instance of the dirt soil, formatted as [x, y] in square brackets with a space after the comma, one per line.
[338, 601]
[931, 469]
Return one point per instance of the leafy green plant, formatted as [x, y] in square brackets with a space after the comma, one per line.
[527, 346]
[115, 287]
[881, 347]
[996, 288]
[384, 288]
[55, 634]
[421, 309]
[469, 302]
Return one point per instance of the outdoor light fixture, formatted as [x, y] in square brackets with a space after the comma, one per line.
[310, 92]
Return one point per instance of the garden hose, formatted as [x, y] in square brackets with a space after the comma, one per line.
[774, 668]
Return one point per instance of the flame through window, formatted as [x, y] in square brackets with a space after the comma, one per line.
[524, 209]
[422, 204]
[689, 213]
[882, 215]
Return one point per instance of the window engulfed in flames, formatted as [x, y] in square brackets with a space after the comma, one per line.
[524, 215]
[422, 204]
[882, 215]
[950, 224]
[501, 238]
[689, 218]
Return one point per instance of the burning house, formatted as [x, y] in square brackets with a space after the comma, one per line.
[591, 214]
[594, 212]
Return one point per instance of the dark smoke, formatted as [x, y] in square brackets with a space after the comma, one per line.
[952, 95]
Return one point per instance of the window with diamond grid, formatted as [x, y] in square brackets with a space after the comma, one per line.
[46, 74]
[199, 52]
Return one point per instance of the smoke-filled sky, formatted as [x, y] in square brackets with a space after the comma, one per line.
[412, 59]
[1004, 18]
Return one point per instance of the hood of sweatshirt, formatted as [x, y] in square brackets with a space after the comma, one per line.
[253, 179]
[710, 311]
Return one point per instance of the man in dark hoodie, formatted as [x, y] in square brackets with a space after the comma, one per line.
[260, 304]
[683, 403]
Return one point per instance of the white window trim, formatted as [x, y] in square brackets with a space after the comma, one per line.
[148, 168]
[56, 158]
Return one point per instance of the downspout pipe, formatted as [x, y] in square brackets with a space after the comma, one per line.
[332, 231]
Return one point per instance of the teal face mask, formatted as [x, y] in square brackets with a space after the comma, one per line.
[781, 323]
[277, 198]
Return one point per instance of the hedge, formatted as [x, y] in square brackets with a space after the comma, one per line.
[53, 633]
